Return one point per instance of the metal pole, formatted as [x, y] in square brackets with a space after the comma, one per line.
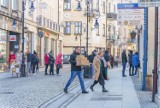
[155, 75]
[23, 63]
[87, 28]
[145, 49]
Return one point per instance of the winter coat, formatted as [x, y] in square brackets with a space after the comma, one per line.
[91, 57]
[97, 67]
[124, 57]
[73, 62]
[58, 59]
[34, 59]
[106, 56]
[12, 57]
[130, 58]
[135, 60]
[51, 58]
[46, 59]
[29, 57]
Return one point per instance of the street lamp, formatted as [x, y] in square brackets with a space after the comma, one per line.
[23, 9]
[96, 22]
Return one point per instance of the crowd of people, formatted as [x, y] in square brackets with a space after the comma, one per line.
[32, 62]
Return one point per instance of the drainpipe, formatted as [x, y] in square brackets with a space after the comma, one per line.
[106, 25]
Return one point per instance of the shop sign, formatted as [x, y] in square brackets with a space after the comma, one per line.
[12, 38]
[46, 34]
[149, 3]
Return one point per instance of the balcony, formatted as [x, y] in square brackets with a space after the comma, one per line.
[112, 16]
[45, 23]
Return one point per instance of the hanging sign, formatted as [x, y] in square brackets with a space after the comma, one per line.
[12, 38]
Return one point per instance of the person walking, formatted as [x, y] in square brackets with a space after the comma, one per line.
[131, 68]
[34, 61]
[124, 62]
[51, 62]
[46, 61]
[29, 57]
[91, 57]
[98, 65]
[135, 62]
[106, 57]
[58, 63]
[76, 70]
[112, 61]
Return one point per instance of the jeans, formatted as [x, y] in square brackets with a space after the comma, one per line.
[51, 69]
[92, 68]
[28, 67]
[136, 69]
[33, 68]
[73, 75]
[124, 69]
[131, 69]
[57, 70]
[46, 69]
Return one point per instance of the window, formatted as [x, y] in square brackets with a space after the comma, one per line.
[67, 5]
[4, 3]
[50, 24]
[104, 29]
[14, 5]
[104, 9]
[78, 27]
[114, 8]
[67, 29]
[109, 10]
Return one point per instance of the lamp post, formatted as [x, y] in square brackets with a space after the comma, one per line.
[79, 8]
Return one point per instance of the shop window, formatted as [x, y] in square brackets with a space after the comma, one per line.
[3, 43]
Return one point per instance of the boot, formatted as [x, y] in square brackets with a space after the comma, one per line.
[103, 89]
[91, 87]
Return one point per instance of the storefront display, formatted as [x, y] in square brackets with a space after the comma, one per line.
[3, 50]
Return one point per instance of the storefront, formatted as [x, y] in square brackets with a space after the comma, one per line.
[3, 50]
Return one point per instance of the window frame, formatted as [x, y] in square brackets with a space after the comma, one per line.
[78, 25]
[3, 3]
[104, 29]
[67, 4]
[68, 25]
[14, 8]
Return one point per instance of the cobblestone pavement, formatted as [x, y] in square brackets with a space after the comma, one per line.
[144, 97]
[31, 92]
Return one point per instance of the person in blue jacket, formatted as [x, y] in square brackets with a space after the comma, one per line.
[135, 62]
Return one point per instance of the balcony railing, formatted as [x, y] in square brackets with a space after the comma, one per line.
[47, 23]
[112, 16]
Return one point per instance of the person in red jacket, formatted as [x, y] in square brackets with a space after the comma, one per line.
[46, 61]
[58, 63]
[12, 57]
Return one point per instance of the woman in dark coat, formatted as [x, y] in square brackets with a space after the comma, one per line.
[51, 63]
[34, 62]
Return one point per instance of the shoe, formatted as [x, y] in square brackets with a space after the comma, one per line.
[65, 90]
[104, 90]
[91, 88]
[45, 74]
[85, 92]
[130, 75]
[124, 76]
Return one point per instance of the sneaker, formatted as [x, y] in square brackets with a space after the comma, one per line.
[65, 90]
[85, 92]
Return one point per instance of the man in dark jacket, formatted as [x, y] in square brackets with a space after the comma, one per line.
[91, 57]
[34, 61]
[51, 63]
[75, 70]
[131, 68]
[124, 62]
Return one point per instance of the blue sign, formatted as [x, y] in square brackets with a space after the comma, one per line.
[128, 6]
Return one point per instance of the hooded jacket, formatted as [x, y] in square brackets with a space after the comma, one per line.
[58, 59]
[73, 62]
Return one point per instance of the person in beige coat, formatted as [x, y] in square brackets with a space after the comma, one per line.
[98, 65]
